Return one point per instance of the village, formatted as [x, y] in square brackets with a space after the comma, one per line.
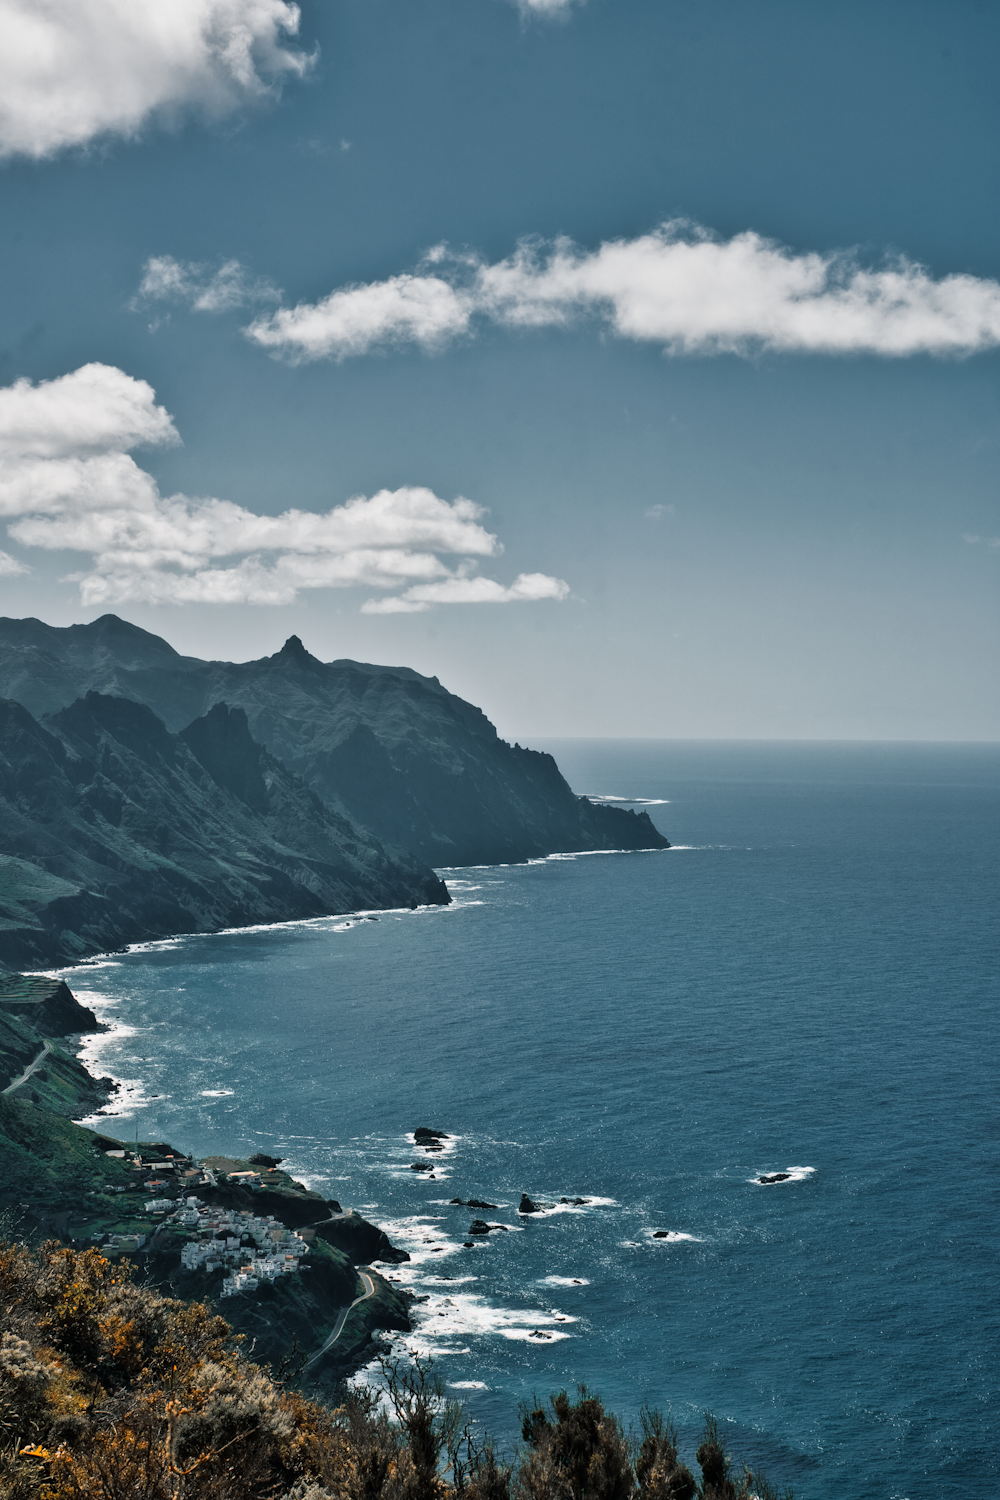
[255, 1249]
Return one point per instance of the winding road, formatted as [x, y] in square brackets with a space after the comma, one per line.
[46, 1049]
[338, 1327]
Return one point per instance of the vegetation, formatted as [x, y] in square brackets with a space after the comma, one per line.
[112, 1391]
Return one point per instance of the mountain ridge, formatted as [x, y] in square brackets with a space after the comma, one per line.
[389, 749]
[113, 830]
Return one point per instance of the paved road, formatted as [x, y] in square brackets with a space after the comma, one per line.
[338, 1327]
[29, 1069]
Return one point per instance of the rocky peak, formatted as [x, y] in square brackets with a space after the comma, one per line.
[222, 742]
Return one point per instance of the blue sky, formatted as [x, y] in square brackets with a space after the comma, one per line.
[713, 453]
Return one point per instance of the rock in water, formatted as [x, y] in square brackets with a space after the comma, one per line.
[526, 1205]
[424, 1137]
[775, 1177]
[479, 1227]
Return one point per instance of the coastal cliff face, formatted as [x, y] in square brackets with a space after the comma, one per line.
[114, 830]
[391, 750]
[37, 1064]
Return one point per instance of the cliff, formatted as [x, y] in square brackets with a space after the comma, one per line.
[391, 750]
[113, 830]
[47, 1005]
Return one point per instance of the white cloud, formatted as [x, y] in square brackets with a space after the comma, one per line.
[677, 287]
[95, 410]
[168, 280]
[544, 7]
[10, 567]
[526, 586]
[69, 483]
[423, 310]
[75, 70]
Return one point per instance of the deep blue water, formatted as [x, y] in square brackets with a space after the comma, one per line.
[808, 981]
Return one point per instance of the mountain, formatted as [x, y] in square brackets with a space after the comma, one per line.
[391, 750]
[113, 830]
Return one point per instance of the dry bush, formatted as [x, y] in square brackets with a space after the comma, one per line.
[110, 1391]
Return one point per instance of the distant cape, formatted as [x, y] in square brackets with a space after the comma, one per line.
[407, 763]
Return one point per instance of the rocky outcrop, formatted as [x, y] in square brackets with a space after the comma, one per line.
[113, 830]
[36, 1068]
[360, 1241]
[48, 1005]
[392, 750]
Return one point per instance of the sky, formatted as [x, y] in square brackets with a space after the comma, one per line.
[629, 365]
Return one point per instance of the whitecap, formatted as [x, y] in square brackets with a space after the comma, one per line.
[794, 1174]
[563, 1281]
[535, 1335]
[628, 801]
[671, 1237]
[546, 1208]
[216, 1093]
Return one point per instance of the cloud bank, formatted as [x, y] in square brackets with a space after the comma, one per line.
[75, 70]
[678, 287]
[68, 482]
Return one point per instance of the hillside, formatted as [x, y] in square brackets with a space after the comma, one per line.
[112, 1391]
[114, 830]
[391, 750]
[110, 1388]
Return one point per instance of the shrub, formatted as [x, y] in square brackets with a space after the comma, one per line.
[111, 1391]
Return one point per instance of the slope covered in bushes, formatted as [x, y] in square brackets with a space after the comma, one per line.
[111, 1391]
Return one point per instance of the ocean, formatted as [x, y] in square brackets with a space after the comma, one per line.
[806, 983]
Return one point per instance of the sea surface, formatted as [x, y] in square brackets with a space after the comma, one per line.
[806, 982]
